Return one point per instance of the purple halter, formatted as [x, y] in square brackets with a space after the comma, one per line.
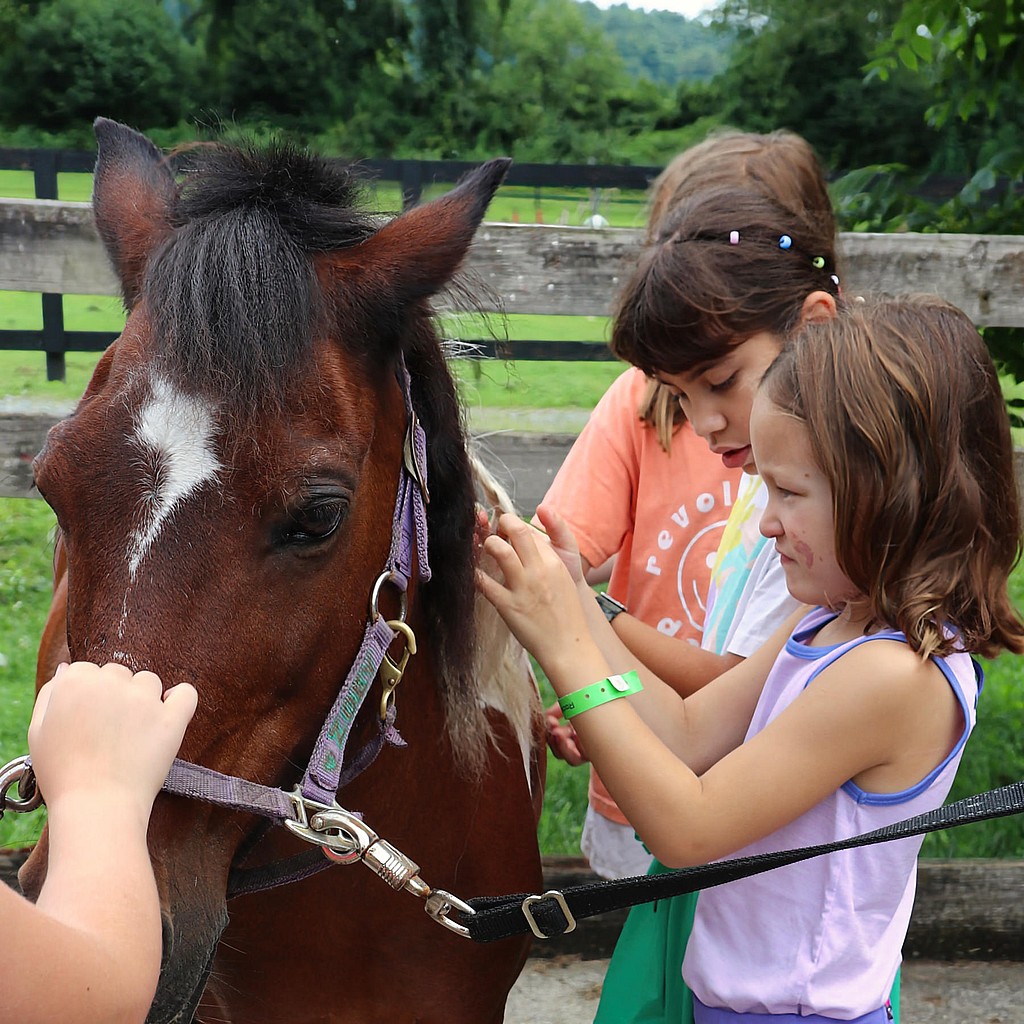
[310, 810]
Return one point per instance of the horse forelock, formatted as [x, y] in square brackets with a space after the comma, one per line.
[232, 291]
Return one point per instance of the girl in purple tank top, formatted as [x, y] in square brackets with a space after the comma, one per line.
[884, 443]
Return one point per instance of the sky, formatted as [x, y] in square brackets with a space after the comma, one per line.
[689, 8]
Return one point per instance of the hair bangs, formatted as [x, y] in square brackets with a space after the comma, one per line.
[233, 292]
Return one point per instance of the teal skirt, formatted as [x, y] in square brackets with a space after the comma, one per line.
[644, 983]
[644, 980]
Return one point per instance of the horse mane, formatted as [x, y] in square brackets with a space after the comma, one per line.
[232, 290]
[236, 307]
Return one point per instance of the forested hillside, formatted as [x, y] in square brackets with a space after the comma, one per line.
[661, 46]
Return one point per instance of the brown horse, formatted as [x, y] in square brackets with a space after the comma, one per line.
[226, 492]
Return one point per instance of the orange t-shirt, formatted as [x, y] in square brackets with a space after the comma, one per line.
[663, 513]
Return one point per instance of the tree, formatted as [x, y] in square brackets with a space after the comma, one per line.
[973, 59]
[659, 45]
[67, 61]
[300, 64]
[553, 87]
[801, 65]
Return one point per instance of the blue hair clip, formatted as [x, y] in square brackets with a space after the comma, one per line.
[785, 242]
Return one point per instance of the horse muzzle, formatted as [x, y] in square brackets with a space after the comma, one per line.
[190, 944]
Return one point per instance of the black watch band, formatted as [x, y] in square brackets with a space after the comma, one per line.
[610, 606]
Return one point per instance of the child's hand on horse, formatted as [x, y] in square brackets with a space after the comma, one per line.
[563, 740]
[537, 597]
[106, 730]
[549, 523]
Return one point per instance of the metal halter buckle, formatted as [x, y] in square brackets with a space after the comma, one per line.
[346, 839]
[19, 772]
[391, 672]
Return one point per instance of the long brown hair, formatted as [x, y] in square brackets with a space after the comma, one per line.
[729, 263]
[907, 420]
[781, 164]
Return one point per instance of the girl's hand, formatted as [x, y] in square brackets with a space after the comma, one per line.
[563, 740]
[563, 541]
[536, 597]
[106, 729]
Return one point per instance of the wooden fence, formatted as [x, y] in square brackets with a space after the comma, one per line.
[410, 176]
[52, 247]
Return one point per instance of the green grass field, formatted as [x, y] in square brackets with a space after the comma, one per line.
[25, 584]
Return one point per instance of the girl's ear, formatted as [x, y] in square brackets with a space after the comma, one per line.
[817, 307]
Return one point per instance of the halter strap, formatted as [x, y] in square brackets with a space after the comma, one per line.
[327, 771]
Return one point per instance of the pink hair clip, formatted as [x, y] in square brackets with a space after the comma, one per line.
[734, 238]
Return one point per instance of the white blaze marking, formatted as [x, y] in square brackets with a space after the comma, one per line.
[176, 431]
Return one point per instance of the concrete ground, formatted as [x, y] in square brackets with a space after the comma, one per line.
[565, 990]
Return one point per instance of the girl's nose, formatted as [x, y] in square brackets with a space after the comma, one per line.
[769, 524]
[706, 419]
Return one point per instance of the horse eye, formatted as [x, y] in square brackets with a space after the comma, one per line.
[314, 522]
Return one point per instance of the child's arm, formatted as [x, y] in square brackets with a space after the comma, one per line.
[630, 643]
[102, 740]
[553, 614]
[684, 667]
[878, 715]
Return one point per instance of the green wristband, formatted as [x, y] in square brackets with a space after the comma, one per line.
[599, 693]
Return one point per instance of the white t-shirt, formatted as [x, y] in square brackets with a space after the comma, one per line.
[748, 599]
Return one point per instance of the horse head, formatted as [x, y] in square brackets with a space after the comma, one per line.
[224, 488]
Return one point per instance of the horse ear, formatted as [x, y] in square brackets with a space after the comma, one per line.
[415, 255]
[132, 190]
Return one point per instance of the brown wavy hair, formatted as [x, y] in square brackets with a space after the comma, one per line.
[907, 420]
[694, 294]
[781, 164]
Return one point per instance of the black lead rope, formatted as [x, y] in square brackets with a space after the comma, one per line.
[556, 912]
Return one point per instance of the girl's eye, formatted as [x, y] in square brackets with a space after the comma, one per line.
[723, 385]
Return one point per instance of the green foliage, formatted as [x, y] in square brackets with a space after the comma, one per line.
[799, 65]
[974, 53]
[298, 64]
[278, 65]
[994, 756]
[972, 57]
[63, 62]
[661, 46]
[569, 86]
[881, 197]
[1013, 388]
[25, 588]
